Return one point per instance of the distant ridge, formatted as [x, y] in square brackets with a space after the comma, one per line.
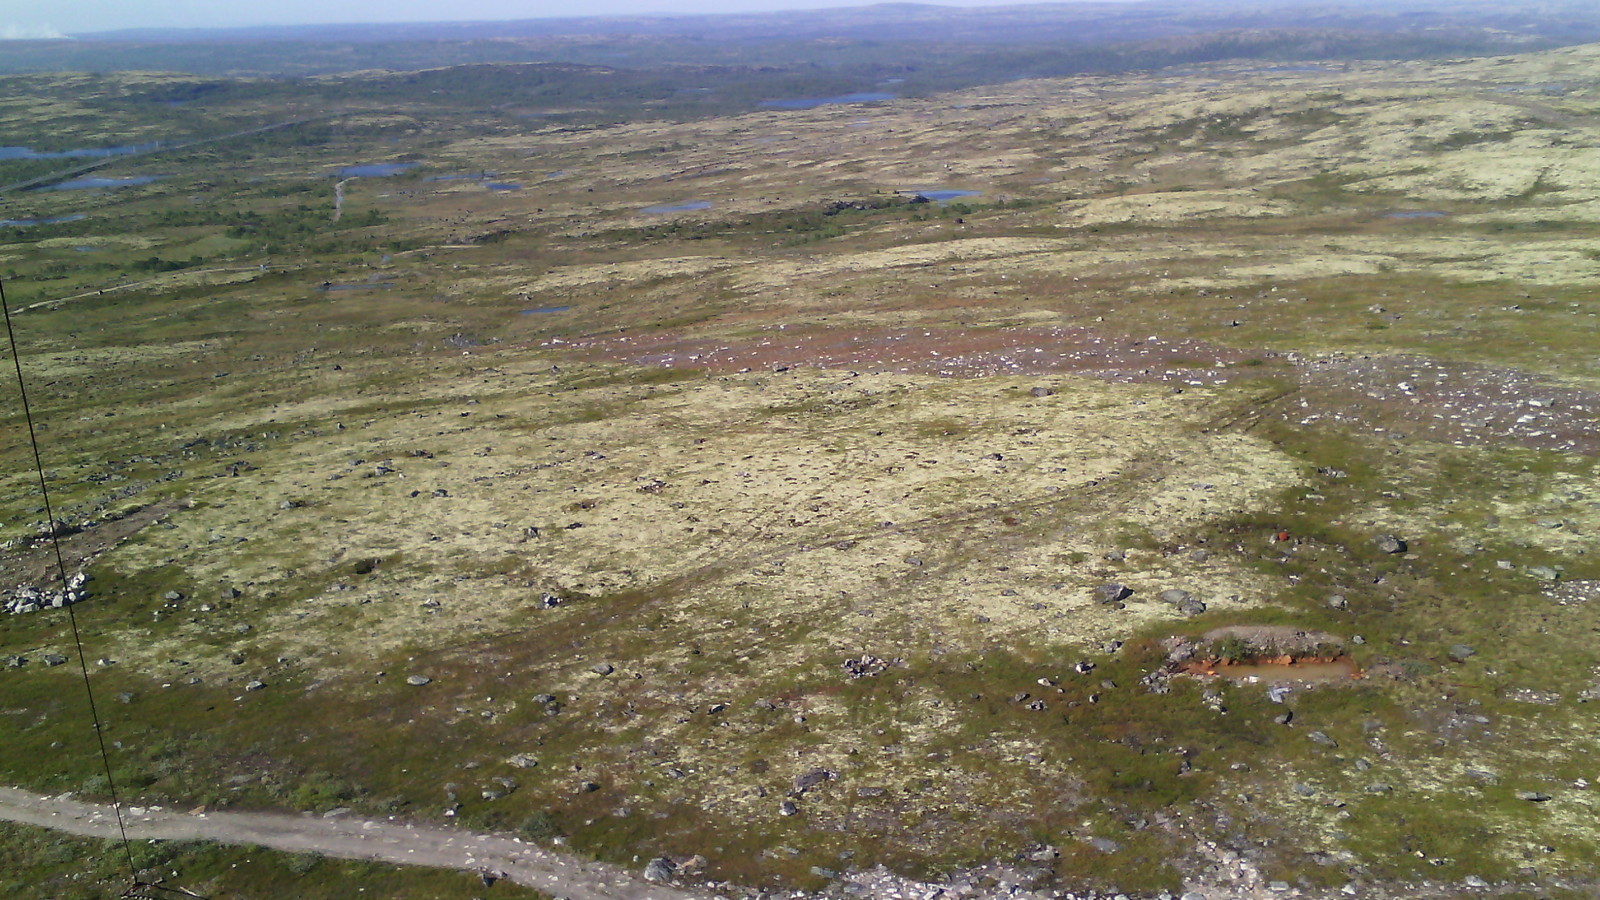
[1091, 21]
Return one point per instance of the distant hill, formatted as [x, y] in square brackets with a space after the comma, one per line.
[1088, 22]
[948, 46]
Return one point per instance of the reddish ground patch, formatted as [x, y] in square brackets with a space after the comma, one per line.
[1277, 668]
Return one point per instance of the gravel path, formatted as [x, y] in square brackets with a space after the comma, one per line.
[385, 841]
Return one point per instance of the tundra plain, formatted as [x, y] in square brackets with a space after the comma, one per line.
[816, 526]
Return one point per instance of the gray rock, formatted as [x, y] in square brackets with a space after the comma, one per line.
[808, 780]
[588, 787]
[660, 870]
[602, 668]
[1192, 607]
[1544, 573]
[521, 761]
[1533, 796]
[1337, 601]
[172, 595]
[1111, 593]
[255, 686]
[1388, 543]
[418, 680]
[52, 659]
[1379, 788]
[1175, 596]
[1460, 652]
[1474, 881]
[1317, 737]
[1041, 392]
[787, 808]
[1042, 854]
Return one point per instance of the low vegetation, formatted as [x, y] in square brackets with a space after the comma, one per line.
[818, 527]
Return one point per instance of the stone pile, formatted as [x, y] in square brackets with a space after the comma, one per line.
[27, 598]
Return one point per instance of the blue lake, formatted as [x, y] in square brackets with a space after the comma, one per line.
[814, 102]
[1416, 214]
[540, 310]
[82, 184]
[29, 223]
[77, 153]
[942, 195]
[502, 186]
[376, 170]
[689, 206]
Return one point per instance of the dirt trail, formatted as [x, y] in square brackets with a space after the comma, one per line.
[384, 841]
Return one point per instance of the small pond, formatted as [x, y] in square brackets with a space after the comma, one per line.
[502, 185]
[76, 153]
[941, 195]
[1416, 214]
[814, 102]
[687, 206]
[92, 182]
[377, 170]
[541, 310]
[29, 223]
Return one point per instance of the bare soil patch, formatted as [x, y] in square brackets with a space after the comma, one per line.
[956, 352]
[36, 563]
[1456, 403]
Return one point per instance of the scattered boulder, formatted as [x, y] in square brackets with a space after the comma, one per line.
[1460, 652]
[660, 870]
[1388, 543]
[807, 780]
[418, 680]
[602, 668]
[521, 761]
[1111, 594]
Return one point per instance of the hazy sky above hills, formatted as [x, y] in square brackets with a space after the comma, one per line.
[40, 18]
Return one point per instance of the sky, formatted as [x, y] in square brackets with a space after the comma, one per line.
[42, 18]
